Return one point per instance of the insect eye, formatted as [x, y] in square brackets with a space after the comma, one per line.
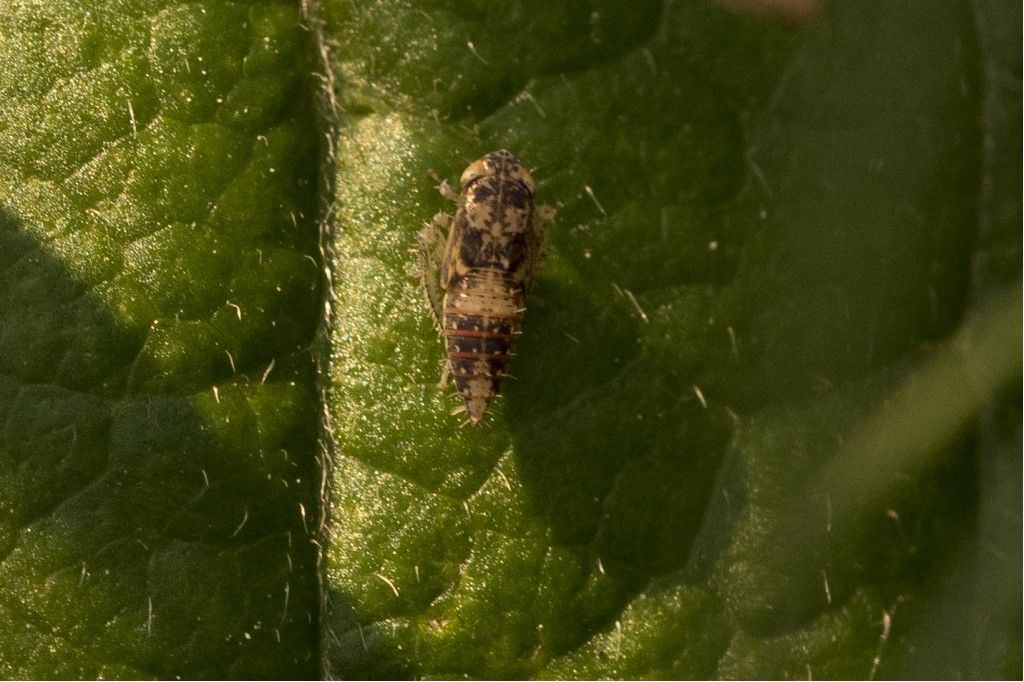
[527, 179]
[476, 170]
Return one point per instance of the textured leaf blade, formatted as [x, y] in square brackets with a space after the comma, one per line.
[761, 233]
[157, 235]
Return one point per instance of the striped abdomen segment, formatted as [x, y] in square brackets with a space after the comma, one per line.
[482, 316]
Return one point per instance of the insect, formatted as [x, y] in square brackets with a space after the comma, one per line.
[476, 277]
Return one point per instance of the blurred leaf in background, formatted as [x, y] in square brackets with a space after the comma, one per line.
[767, 415]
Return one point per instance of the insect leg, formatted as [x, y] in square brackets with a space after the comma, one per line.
[446, 374]
[444, 188]
[431, 244]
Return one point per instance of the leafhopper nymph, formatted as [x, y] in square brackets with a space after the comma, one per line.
[477, 275]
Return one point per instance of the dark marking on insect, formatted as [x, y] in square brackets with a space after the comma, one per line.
[476, 277]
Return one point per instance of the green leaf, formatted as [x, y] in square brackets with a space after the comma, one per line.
[766, 419]
[740, 442]
[158, 295]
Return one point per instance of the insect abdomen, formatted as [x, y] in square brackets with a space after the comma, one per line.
[482, 316]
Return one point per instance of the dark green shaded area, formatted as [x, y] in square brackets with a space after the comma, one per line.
[762, 296]
[158, 296]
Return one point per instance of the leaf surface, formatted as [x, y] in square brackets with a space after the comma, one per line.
[766, 415]
[734, 447]
[158, 292]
